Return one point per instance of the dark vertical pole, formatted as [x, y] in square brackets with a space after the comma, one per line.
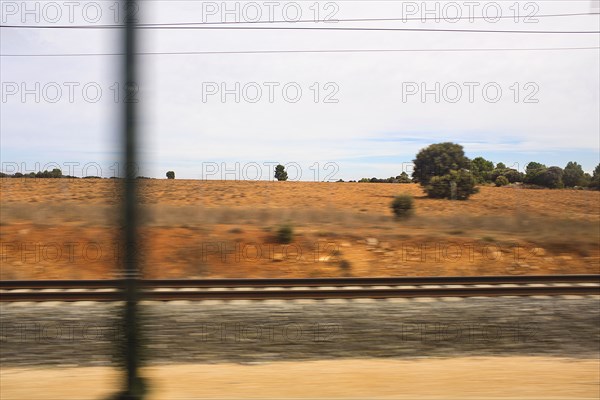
[131, 346]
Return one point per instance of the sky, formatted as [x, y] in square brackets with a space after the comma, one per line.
[326, 116]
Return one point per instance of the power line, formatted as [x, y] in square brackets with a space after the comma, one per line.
[282, 28]
[307, 51]
[200, 24]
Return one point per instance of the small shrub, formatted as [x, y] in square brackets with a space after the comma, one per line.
[346, 267]
[501, 181]
[402, 206]
[513, 175]
[285, 234]
[170, 175]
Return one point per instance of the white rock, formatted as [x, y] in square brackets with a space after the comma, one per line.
[372, 242]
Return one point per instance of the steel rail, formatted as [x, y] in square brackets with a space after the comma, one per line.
[315, 293]
[300, 282]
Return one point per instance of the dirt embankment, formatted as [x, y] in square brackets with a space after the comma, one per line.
[63, 228]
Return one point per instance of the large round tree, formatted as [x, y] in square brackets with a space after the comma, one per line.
[444, 171]
[438, 160]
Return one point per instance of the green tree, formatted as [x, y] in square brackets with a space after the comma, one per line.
[443, 171]
[280, 173]
[595, 182]
[170, 175]
[482, 169]
[573, 175]
[586, 180]
[438, 160]
[533, 172]
[500, 165]
[403, 178]
[456, 185]
[513, 175]
[551, 178]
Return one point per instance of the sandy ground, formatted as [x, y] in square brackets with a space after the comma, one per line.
[460, 378]
[65, 229]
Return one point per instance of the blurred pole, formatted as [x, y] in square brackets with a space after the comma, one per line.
[131, 356]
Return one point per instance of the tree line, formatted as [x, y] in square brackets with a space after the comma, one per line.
[443, 167]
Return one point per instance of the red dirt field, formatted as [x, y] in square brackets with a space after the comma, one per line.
[67, 229]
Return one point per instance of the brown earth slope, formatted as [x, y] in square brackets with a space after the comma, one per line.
[67, 228]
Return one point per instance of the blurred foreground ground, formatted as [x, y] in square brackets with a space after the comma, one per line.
[459, 378]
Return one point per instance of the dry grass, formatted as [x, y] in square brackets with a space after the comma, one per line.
[216, 228]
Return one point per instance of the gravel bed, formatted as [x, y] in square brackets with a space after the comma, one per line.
[81, 334]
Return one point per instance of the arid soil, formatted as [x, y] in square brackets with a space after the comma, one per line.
[448, 379]
[68, 229]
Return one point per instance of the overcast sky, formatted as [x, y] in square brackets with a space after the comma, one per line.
[369, 119]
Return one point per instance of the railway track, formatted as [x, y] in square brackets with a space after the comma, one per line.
[307, 288]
